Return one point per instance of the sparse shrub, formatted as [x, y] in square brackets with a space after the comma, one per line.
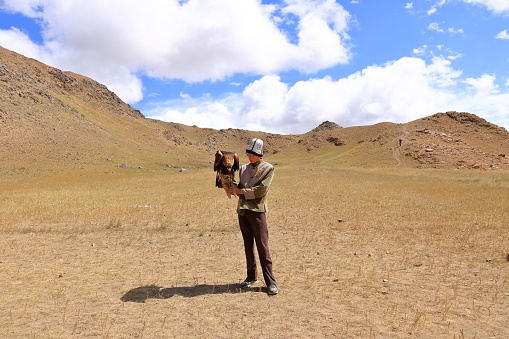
[114, 224]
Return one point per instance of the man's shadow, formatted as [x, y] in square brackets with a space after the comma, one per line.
[141, 294]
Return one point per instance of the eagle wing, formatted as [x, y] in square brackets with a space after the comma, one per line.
[218, 161]
[236, 163]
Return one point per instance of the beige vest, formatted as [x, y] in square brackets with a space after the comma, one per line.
[254, 182]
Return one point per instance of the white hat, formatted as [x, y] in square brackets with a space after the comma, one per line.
[255, 147]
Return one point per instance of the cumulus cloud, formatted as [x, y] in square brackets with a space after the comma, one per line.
[485, 97]
[203, 112]
[18, 41]
[118, 41]
[399, 91]
[375, 94]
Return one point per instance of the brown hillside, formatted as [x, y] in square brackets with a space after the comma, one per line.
[51, 119]
[443, 140]
[460, 140]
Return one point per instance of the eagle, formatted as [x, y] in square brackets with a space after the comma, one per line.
[225, 165]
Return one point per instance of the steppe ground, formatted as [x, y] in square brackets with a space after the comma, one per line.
[358, 253]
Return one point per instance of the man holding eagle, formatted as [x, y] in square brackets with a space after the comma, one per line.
[255, 178]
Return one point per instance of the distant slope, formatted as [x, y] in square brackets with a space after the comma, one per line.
[51, 119]
[444, 140]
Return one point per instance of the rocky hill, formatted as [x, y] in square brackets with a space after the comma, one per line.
[53, 119]
[444, 140]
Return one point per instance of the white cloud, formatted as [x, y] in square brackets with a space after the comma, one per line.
[436, 6]
[432, 11]
[263, 103]
[430, 52]
[497, 6]
[202, 112]
[435, 26]
[17, 41]
[25, 7]
[484, 97]
[485, 85]
[375, 94]
[453, 30]
[502, 35]
[116, 41]
[410, 7]
[421, 51]
[398, 91]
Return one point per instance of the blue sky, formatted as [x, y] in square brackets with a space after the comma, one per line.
[277, 66]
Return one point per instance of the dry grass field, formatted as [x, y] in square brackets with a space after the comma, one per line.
[358, 253]
[383, 231]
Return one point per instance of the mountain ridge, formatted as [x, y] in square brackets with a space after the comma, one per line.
[55, 119]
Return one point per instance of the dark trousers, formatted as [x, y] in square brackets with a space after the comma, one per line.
[253, 226]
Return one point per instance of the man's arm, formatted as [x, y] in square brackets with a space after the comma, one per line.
[235, 190]
[257, 191]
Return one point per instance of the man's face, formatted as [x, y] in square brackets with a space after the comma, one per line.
[253, 159]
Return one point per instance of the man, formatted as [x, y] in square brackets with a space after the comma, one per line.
[255, 179]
